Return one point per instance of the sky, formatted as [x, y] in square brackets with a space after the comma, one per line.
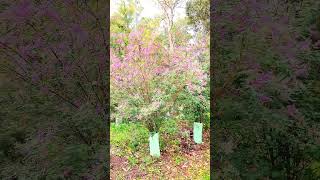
[150, 8]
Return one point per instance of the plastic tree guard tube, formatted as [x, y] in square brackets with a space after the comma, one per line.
[154, 144]
[197, 132]
[118, 121]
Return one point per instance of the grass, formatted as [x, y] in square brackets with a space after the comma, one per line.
[130, 157]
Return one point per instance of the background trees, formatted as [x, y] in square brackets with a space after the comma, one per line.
[144, 72]
[198, 13]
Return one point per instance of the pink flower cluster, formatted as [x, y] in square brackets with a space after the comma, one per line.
[146, 64]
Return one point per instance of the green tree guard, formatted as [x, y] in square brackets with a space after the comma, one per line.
[154, 144]
[197, 132]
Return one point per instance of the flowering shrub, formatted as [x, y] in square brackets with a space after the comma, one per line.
[147, 79]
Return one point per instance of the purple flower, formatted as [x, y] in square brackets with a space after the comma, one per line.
[99, 109]
[302, 72]
[262, 79]
[284, 20]
[35, 78]
[264, 99]
[22, 10]
[25, 51]
[53, 14]
[292, 110]
[44, 89]
[77, 102]
[304, 46]
[38, 43]
[80, 33]
[102, 62]
[67, 68]
[266, 19]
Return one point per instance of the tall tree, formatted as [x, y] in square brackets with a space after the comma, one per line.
[168, 8]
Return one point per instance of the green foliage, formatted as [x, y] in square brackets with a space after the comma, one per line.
[181, 33]
[314, 167]
[199, 14]
[122, 21]
[170, 127]
[178, 160]
[133, 137]
[168, 134]
[205, 175]
[128, 136]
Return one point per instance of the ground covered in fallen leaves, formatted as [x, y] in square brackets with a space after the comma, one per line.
[180, 157]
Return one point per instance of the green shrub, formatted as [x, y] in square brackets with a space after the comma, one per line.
[128, 136]
[168, 134]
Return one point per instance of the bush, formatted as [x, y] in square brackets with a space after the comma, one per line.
[169, 135]
[129, 137]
